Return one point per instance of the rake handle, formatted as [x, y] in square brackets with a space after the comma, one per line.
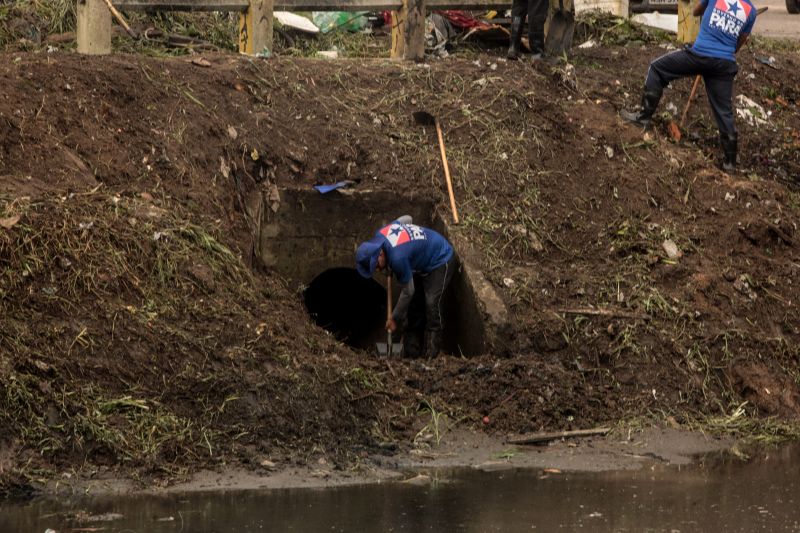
[695, 85]
[447, 172]
[388, 313]
[121, 19]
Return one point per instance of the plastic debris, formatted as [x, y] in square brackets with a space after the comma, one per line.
[324, 189]
[751, 112]
[328, 21]
[295, 21]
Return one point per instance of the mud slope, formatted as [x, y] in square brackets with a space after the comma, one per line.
[139, 336]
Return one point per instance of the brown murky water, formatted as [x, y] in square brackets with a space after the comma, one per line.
[727, 494]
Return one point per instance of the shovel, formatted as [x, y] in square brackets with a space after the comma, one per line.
[561, 27]
[388, 349]
[426, 119]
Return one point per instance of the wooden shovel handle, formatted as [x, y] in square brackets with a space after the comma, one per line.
[121, 19]
[388, 296]
[695, 85]
[447, 172]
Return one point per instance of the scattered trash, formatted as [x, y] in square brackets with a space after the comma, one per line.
[750, 111]
[551, 471]
[671, 249]
[591, 43]
[609, 152]
[232, 133]
[729, 197]
[9, 222]
[328, 54]
[421, 479]
[768, 61]
[658, 20]
[324, 189]
[269, 465]
[672, 108]
[743, 285]
[328, 21]
[508, 282]
[201, 62]
[295, 21]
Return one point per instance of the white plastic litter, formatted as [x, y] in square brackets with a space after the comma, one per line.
[295, 21]
[658, 20]
[751, 112]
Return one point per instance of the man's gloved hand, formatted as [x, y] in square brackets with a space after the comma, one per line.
[391, 325]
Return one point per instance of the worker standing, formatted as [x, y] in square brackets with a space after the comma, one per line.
[724, 28]
[420, 258]
[536, 12]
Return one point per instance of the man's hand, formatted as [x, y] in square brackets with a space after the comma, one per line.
[391, 325]
[700, 8]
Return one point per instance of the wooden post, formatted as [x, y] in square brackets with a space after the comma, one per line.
[688, 24]
[255, 28]
[408, 31]
[94, 27]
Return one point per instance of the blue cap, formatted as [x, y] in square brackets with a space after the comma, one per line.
[367, 256]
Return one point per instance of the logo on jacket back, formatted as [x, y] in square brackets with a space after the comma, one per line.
[398, 234]
[730, 16]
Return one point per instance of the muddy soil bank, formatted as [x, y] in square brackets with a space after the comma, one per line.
[630, 449]
[141, 338]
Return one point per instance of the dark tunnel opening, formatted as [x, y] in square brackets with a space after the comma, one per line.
[349, 306]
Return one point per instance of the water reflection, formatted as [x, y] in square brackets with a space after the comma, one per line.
[721, 495]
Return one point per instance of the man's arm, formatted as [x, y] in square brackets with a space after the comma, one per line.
[700, 8]
[742, 39]
[403, 301]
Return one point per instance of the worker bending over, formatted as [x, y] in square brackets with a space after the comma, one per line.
[423, 263]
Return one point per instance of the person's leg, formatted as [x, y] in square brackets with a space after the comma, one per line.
[719, 87]
[662, 71]
[537, 15]
[519, 8]
[435, 284]
[415, 323]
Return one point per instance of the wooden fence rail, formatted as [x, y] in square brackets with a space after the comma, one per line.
[256, 24]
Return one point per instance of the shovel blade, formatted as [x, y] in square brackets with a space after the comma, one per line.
[384, 349]
[559, 33]
[424, 118]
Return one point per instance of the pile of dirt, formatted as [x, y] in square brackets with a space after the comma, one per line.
[139, 335]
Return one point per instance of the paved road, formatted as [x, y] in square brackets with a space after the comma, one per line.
[776, 22]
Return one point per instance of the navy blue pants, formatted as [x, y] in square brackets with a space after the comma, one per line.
[717, 75]
[425, 309]
[536, 11]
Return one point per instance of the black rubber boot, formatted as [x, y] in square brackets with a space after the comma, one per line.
[642, 117]
[412, 344]
[535, 42]
[433, 343]
[516, 38]
[729, 148]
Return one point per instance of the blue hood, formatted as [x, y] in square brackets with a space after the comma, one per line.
[367, 256]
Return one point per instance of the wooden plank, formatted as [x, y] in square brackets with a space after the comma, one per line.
[255, 28]
[299, 5]
[384, 5]
[408, 31]
[181, 5]
[535, 438]
[688, 24]
[93, 27]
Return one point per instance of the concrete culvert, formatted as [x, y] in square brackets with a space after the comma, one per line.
[349, 306]
[310, 239]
